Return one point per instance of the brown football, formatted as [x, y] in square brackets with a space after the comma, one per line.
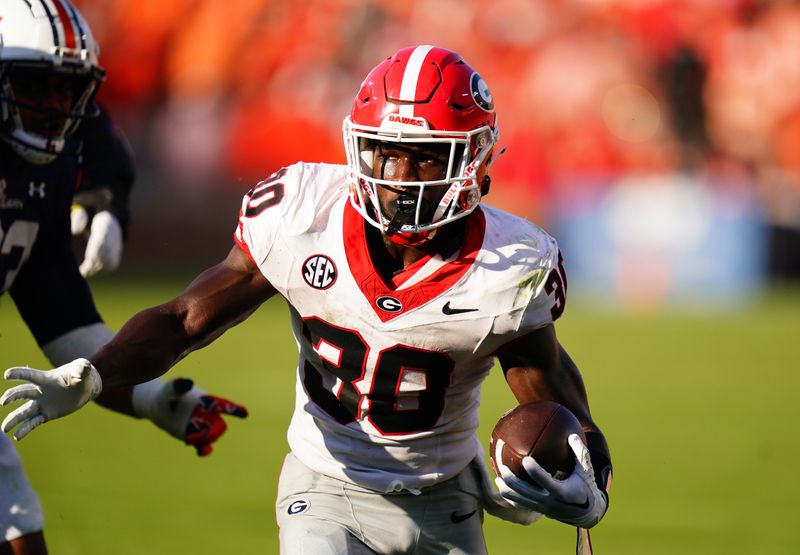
[539, 429]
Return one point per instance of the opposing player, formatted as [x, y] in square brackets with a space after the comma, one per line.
[49, 73]
[402, 290]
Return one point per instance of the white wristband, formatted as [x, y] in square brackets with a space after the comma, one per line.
[144, 398]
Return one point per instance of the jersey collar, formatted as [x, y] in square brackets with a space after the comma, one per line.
[390, 300]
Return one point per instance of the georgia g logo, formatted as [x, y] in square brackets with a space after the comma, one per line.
[319, 271]
[389, 304]
[299, 506]
[480, 93]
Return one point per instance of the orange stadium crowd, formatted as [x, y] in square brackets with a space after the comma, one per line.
[225, 91]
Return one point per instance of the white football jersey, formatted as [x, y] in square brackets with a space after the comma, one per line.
[389, 376]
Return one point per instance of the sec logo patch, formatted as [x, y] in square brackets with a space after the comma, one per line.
[319, 271]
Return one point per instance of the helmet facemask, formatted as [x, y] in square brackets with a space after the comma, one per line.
[416, 217]
[42, 103]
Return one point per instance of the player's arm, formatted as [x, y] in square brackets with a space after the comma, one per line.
[537, 367]
[156, 338]
[100, 207]
[145, 348]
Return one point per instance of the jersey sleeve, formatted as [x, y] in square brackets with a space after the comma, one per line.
[286, 204]
[548, 288]
[260, 216]
[49, 292]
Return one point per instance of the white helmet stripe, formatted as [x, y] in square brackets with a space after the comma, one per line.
[408, 88]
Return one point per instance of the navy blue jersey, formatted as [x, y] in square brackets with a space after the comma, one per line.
[37, 264]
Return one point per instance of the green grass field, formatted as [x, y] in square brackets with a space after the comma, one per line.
[698, 410]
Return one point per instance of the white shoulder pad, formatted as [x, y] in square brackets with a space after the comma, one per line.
[532, 271]
[548, 283]
[285, 204]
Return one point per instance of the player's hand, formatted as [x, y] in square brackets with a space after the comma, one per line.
[498, 506]
[50, 394]
[576, 500]
[105, 243]
[185, 412]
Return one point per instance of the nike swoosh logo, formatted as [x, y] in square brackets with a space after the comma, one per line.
[456, 518]
[584, 505]
[450, 311]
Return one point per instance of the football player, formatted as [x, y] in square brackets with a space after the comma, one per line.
[49, 74]
[402, 289]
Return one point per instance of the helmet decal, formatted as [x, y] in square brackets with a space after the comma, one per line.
[480, 93]
[408, 88]
[65, 22]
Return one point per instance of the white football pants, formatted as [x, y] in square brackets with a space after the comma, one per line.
[319, 515]
[20, 511]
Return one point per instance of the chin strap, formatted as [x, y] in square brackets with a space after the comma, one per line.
[487, 181]
[406, 210]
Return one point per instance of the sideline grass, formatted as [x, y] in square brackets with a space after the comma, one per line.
[698, 409]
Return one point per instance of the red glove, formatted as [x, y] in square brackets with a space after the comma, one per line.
[186, 412]
[206, 423]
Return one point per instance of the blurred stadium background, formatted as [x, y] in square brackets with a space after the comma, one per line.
[658, 140]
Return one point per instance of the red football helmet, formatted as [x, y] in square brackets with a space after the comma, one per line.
[421, 94]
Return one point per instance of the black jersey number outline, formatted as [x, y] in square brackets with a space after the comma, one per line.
[556, 285]
[380, 404]
[15, 247]
[267, 193]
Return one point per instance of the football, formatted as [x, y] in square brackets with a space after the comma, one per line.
[539, 429]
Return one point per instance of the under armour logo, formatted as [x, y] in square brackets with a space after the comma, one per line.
[34, 188]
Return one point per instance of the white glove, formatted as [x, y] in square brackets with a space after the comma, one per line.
[185, 411]
[52, 394]
[576, 500]
[78, 219]
[495, 504]
[104, 246]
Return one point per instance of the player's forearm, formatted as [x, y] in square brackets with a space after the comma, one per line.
[146, 347]
[118, 399]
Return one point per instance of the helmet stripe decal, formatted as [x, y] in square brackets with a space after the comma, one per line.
[77, 21]
[408, 88]
[66, 23]
[56, 38]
